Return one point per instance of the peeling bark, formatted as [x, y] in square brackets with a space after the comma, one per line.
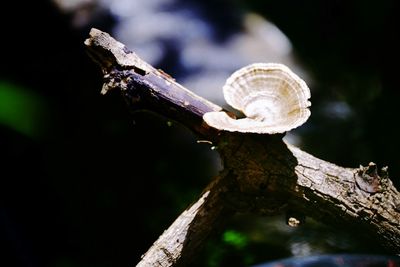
[262, 174]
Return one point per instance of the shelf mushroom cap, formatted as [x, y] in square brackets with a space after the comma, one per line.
[270, 95]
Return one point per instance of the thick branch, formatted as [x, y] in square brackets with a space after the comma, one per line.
[144, 87]
[181, 241]
[332, 193]
[265, 174]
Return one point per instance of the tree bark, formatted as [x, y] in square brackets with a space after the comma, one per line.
[262, 173]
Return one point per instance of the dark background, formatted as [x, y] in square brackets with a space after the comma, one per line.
[85, 183]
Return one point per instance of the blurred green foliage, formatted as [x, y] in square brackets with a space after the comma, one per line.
[235, 238]
[22, 110]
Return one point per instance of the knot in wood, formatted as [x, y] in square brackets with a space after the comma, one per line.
[369, 180]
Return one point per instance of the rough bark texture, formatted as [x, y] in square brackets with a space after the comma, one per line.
[179, 243]
[262, 173]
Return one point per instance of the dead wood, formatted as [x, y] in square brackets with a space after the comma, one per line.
[262, 173]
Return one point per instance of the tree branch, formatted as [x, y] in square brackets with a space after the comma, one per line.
[262, 173]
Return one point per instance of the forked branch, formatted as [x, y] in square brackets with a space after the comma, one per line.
[262, 174]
